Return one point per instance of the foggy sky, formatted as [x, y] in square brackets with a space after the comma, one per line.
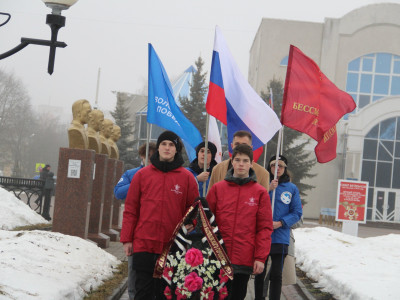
[113, 36]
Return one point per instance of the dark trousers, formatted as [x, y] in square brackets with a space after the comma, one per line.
[147, 287]
[131, 279]
[46, 205]
[237, 288]
[274, 279]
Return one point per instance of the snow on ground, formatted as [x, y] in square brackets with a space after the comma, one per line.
[44, 265]
[350, 267]
[15, 213]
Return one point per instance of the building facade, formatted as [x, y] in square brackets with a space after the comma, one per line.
[360, 53]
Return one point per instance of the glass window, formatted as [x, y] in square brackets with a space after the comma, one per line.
[363, 100]
[156, 131]
[352, 82]
[397, 151]
[395, 88]
[368, 172]
[354, 65]
[396, 176]
[367, 64]
[376, 98]
[396, 67]
[143, 126]
[383, 174]
[373, 133]
[370, 197]
[381, 85]
[385, 151]
[365, 84]
[284, 61]
[370, 149]
[383, 62]
[369, 214]
[398, 129]
[387, 129]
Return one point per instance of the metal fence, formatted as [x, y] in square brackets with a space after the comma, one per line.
[28, 190]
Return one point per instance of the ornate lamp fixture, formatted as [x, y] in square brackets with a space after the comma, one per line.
[55, 20]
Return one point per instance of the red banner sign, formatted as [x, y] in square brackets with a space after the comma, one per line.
[352, 201]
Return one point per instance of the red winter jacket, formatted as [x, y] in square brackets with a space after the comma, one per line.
[244, 218]
[155, 204]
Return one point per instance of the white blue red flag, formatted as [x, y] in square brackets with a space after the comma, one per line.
[234, 102]
[215, 138]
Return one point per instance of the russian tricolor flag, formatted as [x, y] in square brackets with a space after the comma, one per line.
[233, 101]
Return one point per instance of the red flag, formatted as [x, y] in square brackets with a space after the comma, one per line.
[312, 104]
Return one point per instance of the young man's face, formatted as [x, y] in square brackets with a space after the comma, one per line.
[201, 156]
[167, 150]
[237, 140]
[241, 165]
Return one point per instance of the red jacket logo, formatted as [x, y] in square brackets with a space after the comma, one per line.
[176, 189]
[251, 202]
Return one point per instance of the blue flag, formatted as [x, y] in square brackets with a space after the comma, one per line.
[162, 109]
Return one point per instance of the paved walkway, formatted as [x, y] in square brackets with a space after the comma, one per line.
[290, 292]
[117, 250]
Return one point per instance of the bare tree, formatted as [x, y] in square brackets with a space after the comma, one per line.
[26, 138]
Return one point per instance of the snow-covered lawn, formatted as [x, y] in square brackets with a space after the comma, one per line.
[350, 267]
[45, 265]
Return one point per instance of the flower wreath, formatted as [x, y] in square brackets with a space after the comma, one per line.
[195, 265]
[195, 271]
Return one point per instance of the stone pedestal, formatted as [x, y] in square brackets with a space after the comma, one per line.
[106, 224]
[97, 202]
[73, 192]
[119, 169]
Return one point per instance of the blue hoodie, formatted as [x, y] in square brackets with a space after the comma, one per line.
[122, 187]
[287, 209]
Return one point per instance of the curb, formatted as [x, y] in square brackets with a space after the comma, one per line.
[119, 291]
[304, 289]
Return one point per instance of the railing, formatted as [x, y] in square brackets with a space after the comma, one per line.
[328, 216]
[28, 190]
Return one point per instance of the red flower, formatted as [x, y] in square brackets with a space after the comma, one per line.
[208, 293]
[194, 257]
[223, 293]
[167, 293]
[193, 282]
[222, 276]
[179, 294]
[166, 272]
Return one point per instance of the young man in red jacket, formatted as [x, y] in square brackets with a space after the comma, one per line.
[157, 199]
[242, 209]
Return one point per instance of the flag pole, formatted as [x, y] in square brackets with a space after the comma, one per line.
[278, 146]
[271, 104]
[147, 144]
[205, 154]
[283, 128]
[265, 154]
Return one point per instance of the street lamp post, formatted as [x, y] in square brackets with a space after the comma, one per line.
[56, 21]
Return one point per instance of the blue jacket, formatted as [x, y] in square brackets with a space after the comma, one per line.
[287, 209]
[199, 182]
[122, 187]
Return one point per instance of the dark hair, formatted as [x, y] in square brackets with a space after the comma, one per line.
[242, 133]
[285, 176]
[142, 149]
[243, 149]
[211, 147]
